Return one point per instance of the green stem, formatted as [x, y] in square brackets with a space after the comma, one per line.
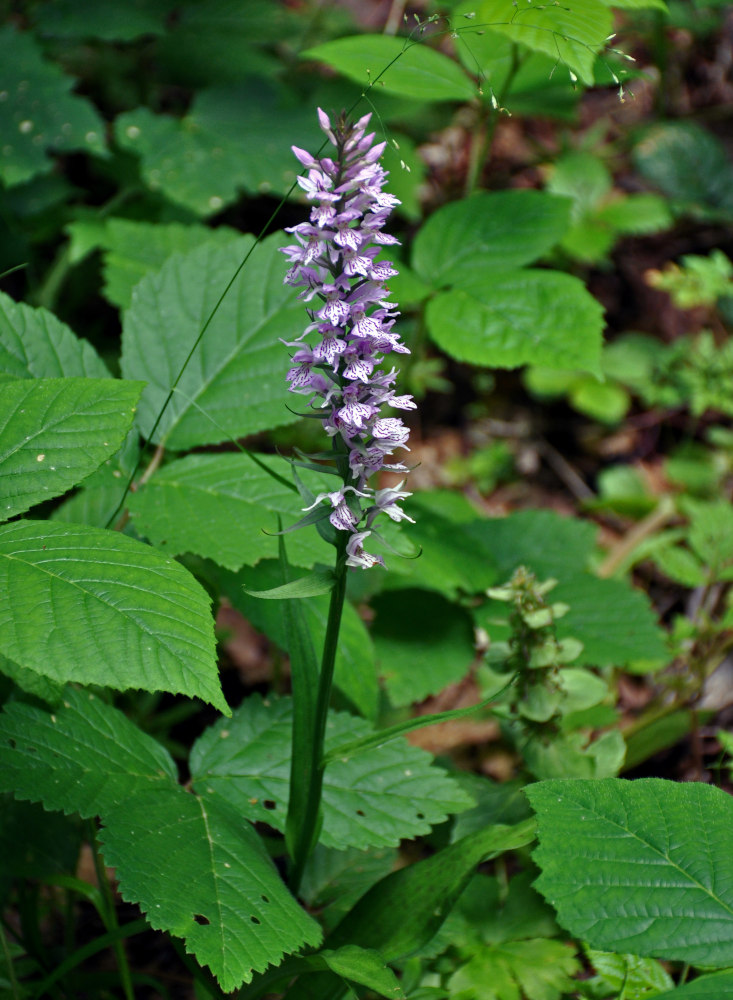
[110, 920]
[312, 816]
[483, 135]
[10, 966]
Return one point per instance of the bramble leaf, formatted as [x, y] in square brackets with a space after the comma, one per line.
[235, 382]
[619, 865]
[56, 432]
[374, 799]
[93, 606]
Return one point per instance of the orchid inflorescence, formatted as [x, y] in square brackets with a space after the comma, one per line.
[335, 261]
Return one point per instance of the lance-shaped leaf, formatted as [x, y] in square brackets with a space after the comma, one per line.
[93, 606]
[643, 867]
[220, 507]
[35, 344]
[236, 915]
[56, 432]
[375, 799]
[234, 384]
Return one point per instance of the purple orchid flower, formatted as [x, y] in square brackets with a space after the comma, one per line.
[336, 263]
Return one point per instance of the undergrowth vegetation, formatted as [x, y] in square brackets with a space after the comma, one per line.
[395, 663]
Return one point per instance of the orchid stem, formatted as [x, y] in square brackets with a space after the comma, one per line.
[312, 817]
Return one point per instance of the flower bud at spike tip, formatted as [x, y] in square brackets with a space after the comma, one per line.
[335, 264]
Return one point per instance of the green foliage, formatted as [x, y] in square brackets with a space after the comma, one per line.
[645, 867]
[373, 799]
[56, 432]
[116, 603]
[233, 385]
[38, 112]
[235, 915]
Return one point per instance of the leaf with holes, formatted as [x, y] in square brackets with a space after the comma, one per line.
[396, 65]
[518, 318]
[234, 384]
[35, 344]
[236, 916]
[93, 606]
[55, 432]
[374, 799]
[38, 112]
[223, 507]
[620, 866]
[469, 240]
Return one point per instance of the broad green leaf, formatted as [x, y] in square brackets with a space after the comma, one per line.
[363, 966]
[56, 432]
[535, 968]
[711, 533]
[636, 5]
[548, 544]
[85, 758]
[236, 915]
[520, 317]
[112, 22]
[28, 680]
[35, 344]
[396, 65]
[496, 803]
[316, 584]
[690, 166]
[38, 112]
[376, 798]
[355, 673]
[639, 978]
[468, 242]
[417, 626]
[619, 865]
[570, 35]
[235, 382]
[226, 143]
[92, 606]
[719, 986]
[197, 870]
[223, 507]
[132, 249]
[99, 498]
[615, 622]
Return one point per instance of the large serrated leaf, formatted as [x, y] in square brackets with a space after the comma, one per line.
[374, 799]
[469, 240]
[35, 344]
[643, 867]
[93, 606]
[56, 432]
[197, 870]
[237, 373]
[397, 65]
[571, 35]
[235, 914]
[220, 507]
[517, 318]
[85, 758]
[38, 112]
